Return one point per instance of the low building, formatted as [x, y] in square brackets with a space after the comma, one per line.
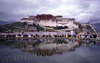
[17, 31]
[32, 29]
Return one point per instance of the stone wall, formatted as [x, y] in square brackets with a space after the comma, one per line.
[47, 23]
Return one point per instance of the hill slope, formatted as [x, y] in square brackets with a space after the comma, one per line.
[96, 26]
[18, 26]
[13, 26]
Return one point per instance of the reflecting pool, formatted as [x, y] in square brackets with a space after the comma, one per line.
[49, 50]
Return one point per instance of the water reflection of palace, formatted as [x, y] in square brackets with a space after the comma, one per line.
[44, 47]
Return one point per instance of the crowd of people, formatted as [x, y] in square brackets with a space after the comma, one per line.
[84, 36]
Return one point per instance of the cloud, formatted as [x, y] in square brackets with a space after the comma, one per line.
[82, 11]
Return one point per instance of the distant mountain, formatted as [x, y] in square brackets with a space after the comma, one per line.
[96, 26]
[6, 22]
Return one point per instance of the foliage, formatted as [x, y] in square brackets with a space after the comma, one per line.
[7, 43]
[20, 24]
[37, 43]
[39, 28]
[80, 26]
[61, 27]
[13, 26]
[89, 28]
[61, 42]
[10, 27]
[3, 28]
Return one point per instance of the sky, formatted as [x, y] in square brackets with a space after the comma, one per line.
[81, 10]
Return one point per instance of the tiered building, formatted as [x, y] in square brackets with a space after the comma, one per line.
[50, 20]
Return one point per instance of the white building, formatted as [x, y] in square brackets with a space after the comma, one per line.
[59, 18]
[58, 21]
[47, 22]
[29, 20]
[70, 22]
[85, 24]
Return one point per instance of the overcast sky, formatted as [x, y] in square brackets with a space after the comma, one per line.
[81, 10]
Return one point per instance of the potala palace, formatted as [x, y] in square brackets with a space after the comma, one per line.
[50, 20]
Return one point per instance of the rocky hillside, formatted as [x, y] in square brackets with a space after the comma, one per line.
[19, 27]
[12, 27]
[84, 28]
[96, 26]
